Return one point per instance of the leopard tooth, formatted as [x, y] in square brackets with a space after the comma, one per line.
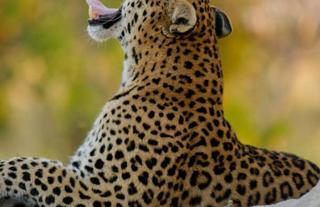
[92, 13]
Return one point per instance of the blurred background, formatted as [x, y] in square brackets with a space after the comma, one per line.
[54, 80]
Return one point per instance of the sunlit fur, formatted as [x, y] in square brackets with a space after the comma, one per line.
[162, 139]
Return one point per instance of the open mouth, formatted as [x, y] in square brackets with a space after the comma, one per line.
[99, 14]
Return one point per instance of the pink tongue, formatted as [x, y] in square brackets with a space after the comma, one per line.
[98, 7]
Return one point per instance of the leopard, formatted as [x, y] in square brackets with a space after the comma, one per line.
[162, 139]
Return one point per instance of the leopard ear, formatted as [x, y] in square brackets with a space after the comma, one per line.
[183, 17]
[223, 25]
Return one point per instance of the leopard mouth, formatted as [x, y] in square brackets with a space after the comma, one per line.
[100, 15]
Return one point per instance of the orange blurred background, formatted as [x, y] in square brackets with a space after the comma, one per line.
[54, 80]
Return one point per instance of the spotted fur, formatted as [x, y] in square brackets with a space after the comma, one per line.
[162, 139]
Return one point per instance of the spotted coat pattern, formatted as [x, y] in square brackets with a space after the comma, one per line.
[162, 139]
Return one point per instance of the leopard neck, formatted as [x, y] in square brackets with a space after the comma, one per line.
[192, 64]
[189, 72]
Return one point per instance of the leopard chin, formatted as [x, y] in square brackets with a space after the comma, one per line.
[103, 22]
